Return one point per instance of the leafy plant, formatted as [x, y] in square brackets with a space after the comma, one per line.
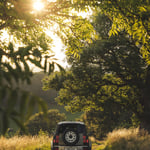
[47, 124]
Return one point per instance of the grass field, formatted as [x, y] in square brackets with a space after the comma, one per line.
[122, 139]
[25, 143]
[42, 142]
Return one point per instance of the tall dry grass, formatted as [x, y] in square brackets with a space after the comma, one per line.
[25, 142]
[128, 139]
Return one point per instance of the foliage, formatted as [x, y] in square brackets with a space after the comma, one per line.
[131, 16]
[99, 123]
[18, 107]
[124, 139]
[47, 124]
[110, 76]
[24, 43]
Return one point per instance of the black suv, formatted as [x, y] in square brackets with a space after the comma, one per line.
[70, 135]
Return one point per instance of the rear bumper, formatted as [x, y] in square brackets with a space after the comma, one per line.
[70, 148]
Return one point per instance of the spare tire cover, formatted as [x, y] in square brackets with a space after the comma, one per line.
[70, 137]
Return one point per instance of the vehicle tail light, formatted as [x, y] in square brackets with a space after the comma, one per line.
[56, 140]
[85, 140]
[56, 148]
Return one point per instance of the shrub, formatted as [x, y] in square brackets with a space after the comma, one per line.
[128, 139]
[47, 124]
[100, 123]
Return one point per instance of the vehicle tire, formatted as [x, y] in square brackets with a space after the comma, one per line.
[70, 137]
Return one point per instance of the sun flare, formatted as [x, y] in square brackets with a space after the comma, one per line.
[38, 5]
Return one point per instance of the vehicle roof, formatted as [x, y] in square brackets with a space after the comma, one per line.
[71, 122]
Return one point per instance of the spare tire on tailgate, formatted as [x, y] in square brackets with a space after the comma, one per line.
[70, 137]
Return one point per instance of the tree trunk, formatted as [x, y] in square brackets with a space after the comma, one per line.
[145, 116]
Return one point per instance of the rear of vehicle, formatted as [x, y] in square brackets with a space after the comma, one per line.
[71, 136]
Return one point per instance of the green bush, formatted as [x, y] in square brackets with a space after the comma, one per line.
[100, 123]
[47, 124]
[128, 139]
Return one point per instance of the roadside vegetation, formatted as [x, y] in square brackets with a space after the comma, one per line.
[121, 139]
[127, 139]
[41, 141]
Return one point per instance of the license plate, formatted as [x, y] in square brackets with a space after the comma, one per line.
[71, 148]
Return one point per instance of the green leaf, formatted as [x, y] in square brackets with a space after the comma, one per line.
[23, 104]
[51, 68]
[3, 92]
[15, 113]
[26, 66]
[11, 71]
[11, 47]
[45, 65]
[8, 77]
[60, 67]
[36, 53]
[142, 9]
[18, 68]
[31, 105]
[19, 123]
[35, 62]
[12, 100]
[5, 122]
[42, 105]
[1, 109]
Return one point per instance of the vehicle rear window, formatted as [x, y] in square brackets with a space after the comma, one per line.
[76, 127]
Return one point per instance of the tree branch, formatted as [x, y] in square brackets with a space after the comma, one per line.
[2, 26]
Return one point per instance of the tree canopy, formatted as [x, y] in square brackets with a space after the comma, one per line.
[111, 76]
[129, 15]
[28, 44]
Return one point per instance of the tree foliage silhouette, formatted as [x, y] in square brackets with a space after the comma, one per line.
[27, 44]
